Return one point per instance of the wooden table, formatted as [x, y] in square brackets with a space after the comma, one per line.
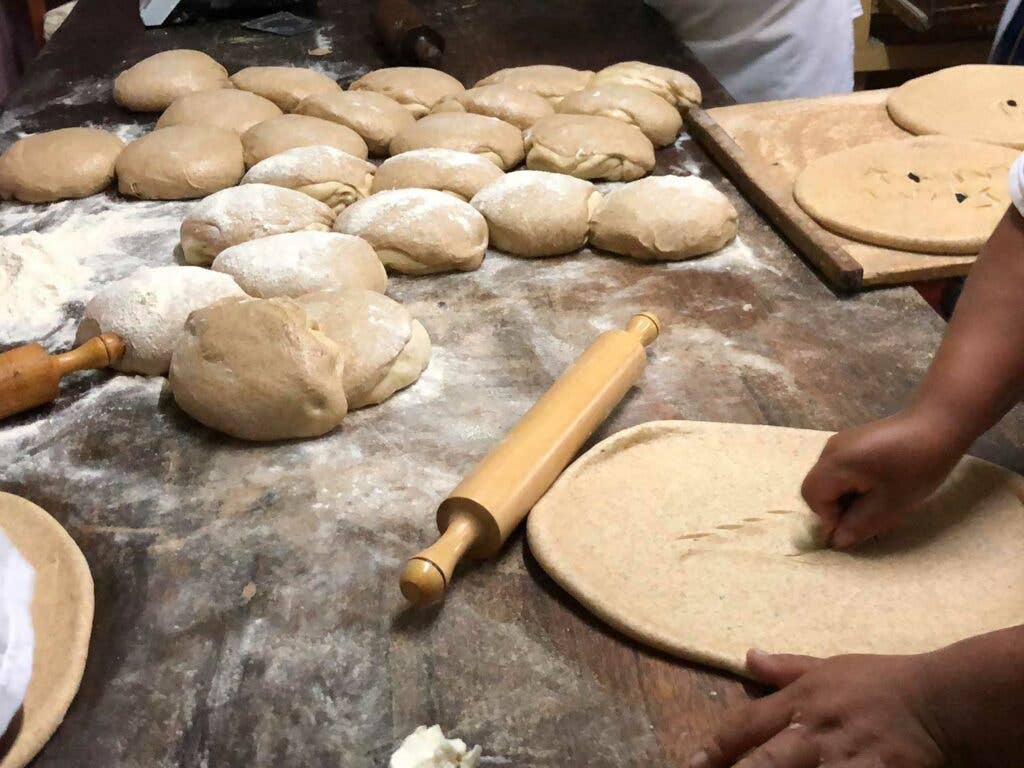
[246, 595]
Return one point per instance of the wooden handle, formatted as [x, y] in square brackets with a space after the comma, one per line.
[480, 514]
[30, 376]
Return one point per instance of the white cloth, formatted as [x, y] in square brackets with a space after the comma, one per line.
[1017, 184]
[17, 639]
[1011, 8]
[769, 49]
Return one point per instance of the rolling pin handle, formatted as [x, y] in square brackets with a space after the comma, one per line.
[427, 574]
[98, 352]
[645, 326]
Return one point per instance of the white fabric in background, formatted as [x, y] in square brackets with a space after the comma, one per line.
[17, 639]
[1011, 8]
[1017, 184]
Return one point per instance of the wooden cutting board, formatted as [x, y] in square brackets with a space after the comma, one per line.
[763, 147]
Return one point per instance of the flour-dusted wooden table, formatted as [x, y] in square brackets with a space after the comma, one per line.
[247, 610]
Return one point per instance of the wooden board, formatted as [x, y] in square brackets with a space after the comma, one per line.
[763, 147]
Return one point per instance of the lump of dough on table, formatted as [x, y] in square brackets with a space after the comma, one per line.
[180, 162]
[462, 174]
[243, 213]
[675, 87]
[430, 748]
[418, 231]
[153, 83]
[228, 108]
[148, 309]
[374, 116]
[325, 173]
[498, 141]
[295, 263]
[285, 86]
[514, 105]
[664, 218]
[417, 89]
[659, 120]
[589, 147]
[551, 81]
[534, 213]
[274, 136]
[385, 349]
[61, 164]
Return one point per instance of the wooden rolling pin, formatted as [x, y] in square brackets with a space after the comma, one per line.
[481, 513]
[30, 376]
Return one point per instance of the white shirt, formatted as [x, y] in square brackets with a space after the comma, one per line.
[769, 49]
[17, 640]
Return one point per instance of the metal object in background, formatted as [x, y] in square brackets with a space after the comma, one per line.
[156, 13]
[406, 34]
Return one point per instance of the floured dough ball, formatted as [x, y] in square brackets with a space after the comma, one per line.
[664, 218]
[385, 349]
[274, 136]
[227, 108]
[534, 213]
[156, 81]
[498, 141]
[180, 162]
[462, 174]
[589, 147]
[285, 86]
[325, 173]
[375, 117]
[257, 369]
[67, 163]
[417, 89]
[239, 214]
[551, 81]
[659, 120]
[418, 231]
[505, 102]
[677, 88]
[148, 311]
[302, 262]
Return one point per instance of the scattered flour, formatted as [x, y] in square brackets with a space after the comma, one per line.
[737, 256]
[322, 43]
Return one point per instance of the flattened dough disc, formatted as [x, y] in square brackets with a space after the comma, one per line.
[62, 609]
[692, 537]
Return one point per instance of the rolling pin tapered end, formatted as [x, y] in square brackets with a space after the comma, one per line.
[422, 582]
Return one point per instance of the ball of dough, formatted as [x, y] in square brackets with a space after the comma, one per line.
[417, 89]
[156, 81]
[659, 120]
[302, 262]
[498, 141]
[239, 214]
[67, 163]
[664, 218]
[418, 231]
[285, 86]
[589, 147]
[534, 213]
[180, 162]
[227, 108]
[551, 81]
[677, 88]
[274, 136]
[325, 173]
[505, 102]
[462, 174]
[148, 311]
[257, 369]
[375, 117]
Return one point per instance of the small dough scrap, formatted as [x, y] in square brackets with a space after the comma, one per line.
[180, 162]
[534, 213]
[148, 310]
[418, 231]
[295, 263]
[589, 147]
[227, 108]
[664, 218]
[506, 102]
[285, 86]
[257, 369]
[274, 136]
[153, 83]
[417, 89]
[430, 748]
[551, 81]
[677, 88]
[244, 213]
[659, 120]
[462, 174]
[374, 116]
[498, 141]
[57, 165]
[325, 173]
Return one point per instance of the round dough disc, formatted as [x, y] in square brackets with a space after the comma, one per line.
[227, 108]
[374, 116]
[677, 88]
[498, 141]
[66, 163]
[550, 81]
[659, 120]
[285, 86]
[505, 102]
[930, 194]
[271, 137]
[589, 147]
[62, 612]
[462, 174]
[153, 83]
[417, 89]
[329, 175]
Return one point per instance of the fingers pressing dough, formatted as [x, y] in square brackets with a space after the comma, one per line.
[417, 89]
[589, 147]
[274, 136]
[285, 86]
[498, 141]
[462, 174]
[506, 102]
[551, 81]
[659, 120]
[375, 117]
[180, 162]
[153, 83]
[67, 163]
[325, 173]
[675, 87]
[228, 108]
